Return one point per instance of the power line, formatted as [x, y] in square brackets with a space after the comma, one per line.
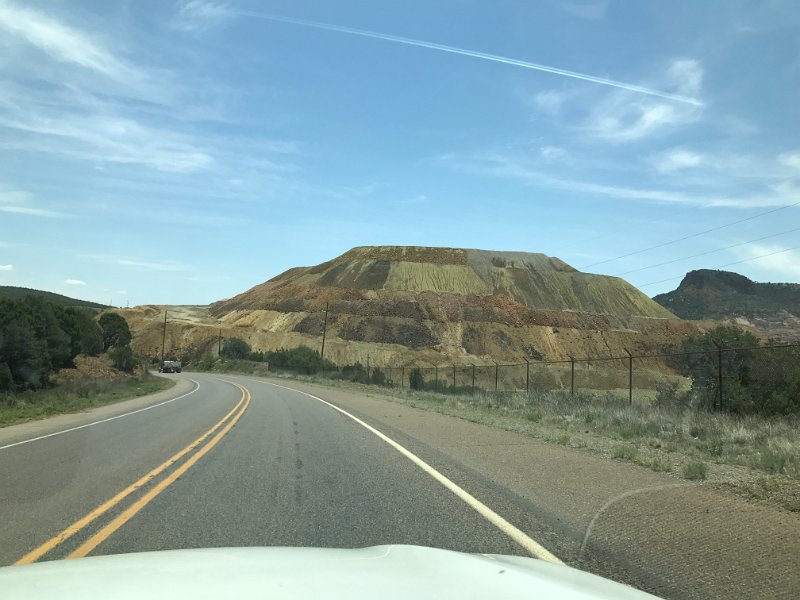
[687, 237]
[669, 262]
[725, 265]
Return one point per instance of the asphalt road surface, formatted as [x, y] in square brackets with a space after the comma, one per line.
[235, 461]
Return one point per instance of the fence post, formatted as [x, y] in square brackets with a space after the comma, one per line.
[402, 376]
[630, 376]
[454, 377]
[436, 375]
[572, 377]
[527, 375]
[496, 374]
[473, 379]
[719, 374]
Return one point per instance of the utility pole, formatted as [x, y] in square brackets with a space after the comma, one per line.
[164, 337]
[219, 343]
[324, 330]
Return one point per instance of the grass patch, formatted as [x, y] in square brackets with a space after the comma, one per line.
[563, 440]
[624, 452]
[533, 416]
[659, 465]
[76, 396]
[695, 471]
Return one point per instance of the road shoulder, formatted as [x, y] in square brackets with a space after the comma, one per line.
[13, 434]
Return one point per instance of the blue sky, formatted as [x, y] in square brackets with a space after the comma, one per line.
[181, 152]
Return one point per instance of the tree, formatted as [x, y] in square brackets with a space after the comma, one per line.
[235, 348]
[115, 330]
[6, 379]
[416, 381]
[123, 358]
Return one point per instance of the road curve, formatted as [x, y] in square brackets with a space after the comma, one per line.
[238, 461]
[291, 472]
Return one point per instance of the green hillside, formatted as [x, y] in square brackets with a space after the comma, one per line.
[8, 292]
[707, 294]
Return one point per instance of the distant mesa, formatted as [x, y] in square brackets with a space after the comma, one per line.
[771, 308]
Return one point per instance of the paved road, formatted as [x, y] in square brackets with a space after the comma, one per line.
[243, 462]
[291, 472]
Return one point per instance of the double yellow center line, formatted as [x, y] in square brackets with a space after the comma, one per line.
[224, 425]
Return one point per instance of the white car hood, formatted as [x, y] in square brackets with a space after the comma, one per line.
[276, 573]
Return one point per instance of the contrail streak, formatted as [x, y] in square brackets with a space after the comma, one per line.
[482, 55]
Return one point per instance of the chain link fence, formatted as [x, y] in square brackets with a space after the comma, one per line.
[736, 379]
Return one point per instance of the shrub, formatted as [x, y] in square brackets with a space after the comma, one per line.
[695, 471]
[123, 358]
[235, 348]
[303, 360]
[415, 380]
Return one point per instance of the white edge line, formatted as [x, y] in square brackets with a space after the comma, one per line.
[133, 412]
[533, 547]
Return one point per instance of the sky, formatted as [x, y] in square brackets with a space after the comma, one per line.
[182, 152]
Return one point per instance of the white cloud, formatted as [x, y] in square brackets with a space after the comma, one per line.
[63, 43]
[625, 117]
[6, 267]
[678, 159]
[83, 128]
[778, 259]
[18, 202]
[551, 101]
[201, 15]
[138, 264]
[66, 92]
[776, 194]
[74, 282]
[790, 159]
[552, 152]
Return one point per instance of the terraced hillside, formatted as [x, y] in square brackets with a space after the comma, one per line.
[419, 305]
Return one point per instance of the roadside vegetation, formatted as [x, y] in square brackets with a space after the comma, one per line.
[39, 337]
[75, 396]
[751, 446]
